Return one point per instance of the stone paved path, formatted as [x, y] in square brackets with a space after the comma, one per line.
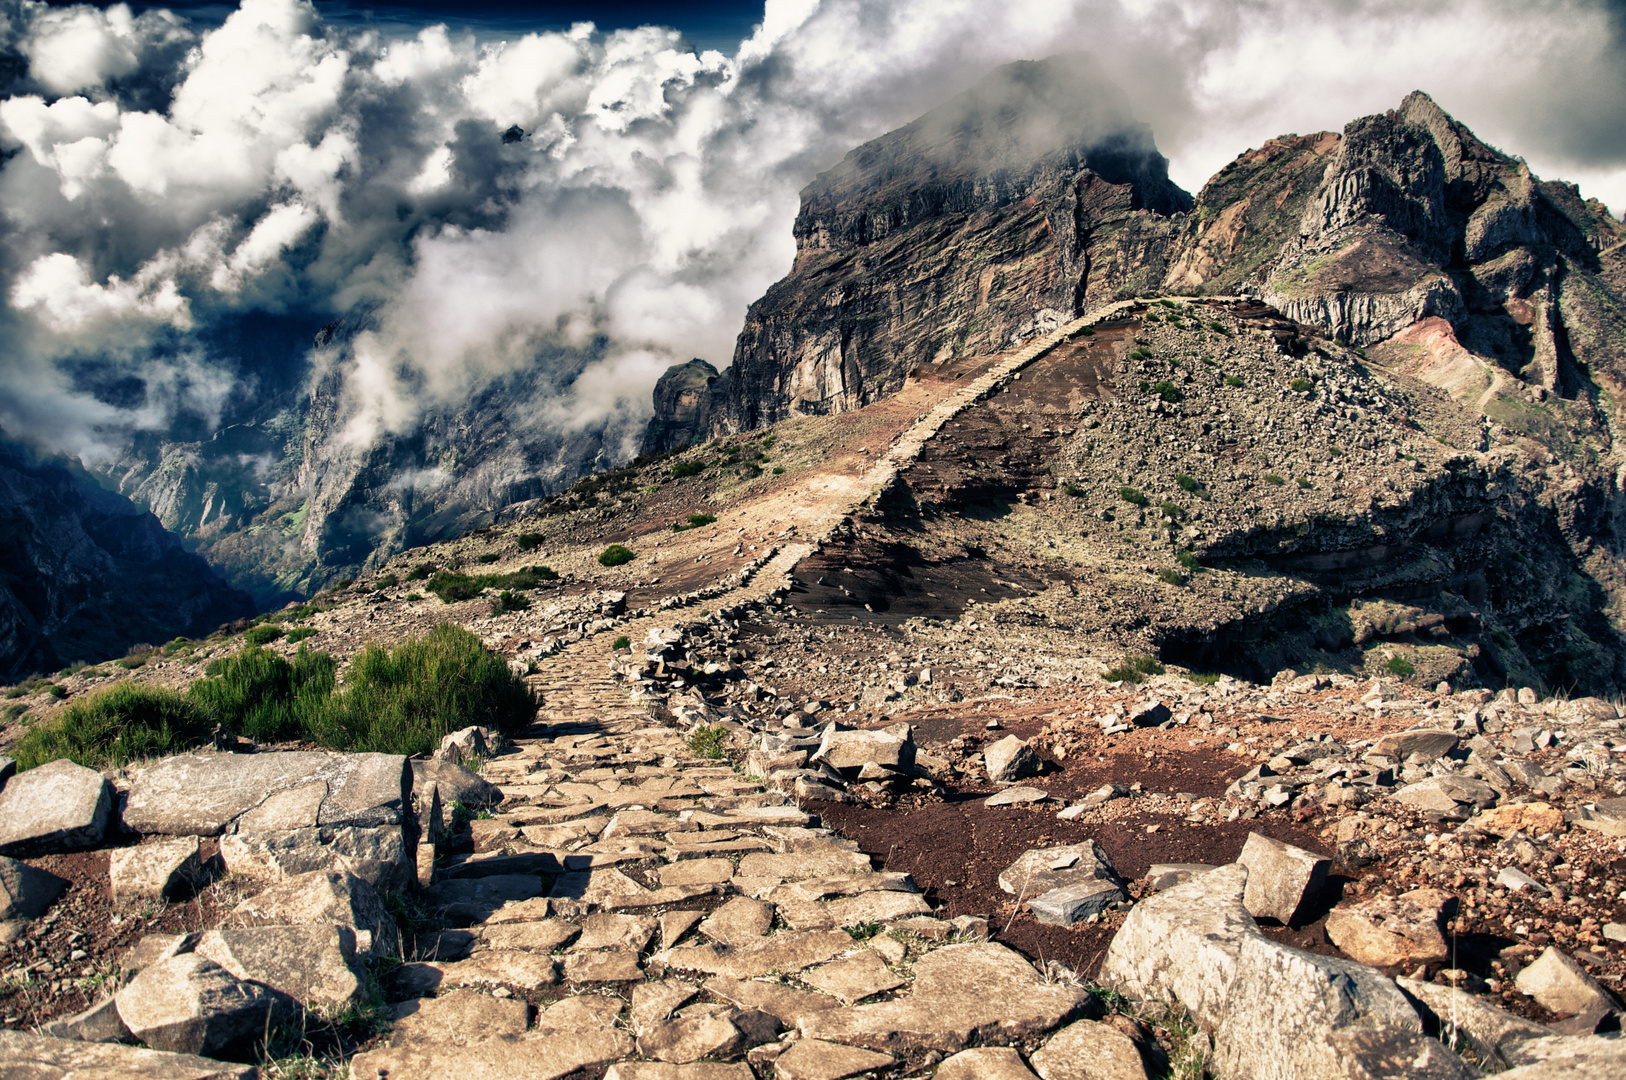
[680, 919]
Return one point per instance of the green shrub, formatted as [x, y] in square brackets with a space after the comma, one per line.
[1219, 328]
[257, 693]
[1140, 354]
[1073, 489]
[1399, 665]
[263, 634]
[1187, 483]
[72, 669]
[1273, 480]
[113, 727]
[130, 663]
[509, 601]
[1301, 385]
[615, 555]
[486, 558]
[684, 469]
[1171, 577]
[542, 573]
[452, 587]
[1134, 668]
[1303, 483]
[1203, 678]
[707, 742]
[528, 541]
[12, 712]
[1187, 560]
[778, 470]
[388, 581]
[1335, 451]
[767, 444]
[413, 596]
[694, 522]
[405, 699]
[1232, 380]
[1168, 391]
[420, 572]
[300, 633]
[622, 642]
[1088, 331]
[1130, 495]
[1172, 510]
[59, 692]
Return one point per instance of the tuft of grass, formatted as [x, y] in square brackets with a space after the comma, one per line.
[1273, 480]
[509, 601]
[1203, 678]
[1220, 328]
[685, 469]
[300, 633]
[707, 742]
[1140, 354]
[1088, 331]
[1399, 665]
[1303, 483]
[695, 521]
[1172, 577]
[615, 555]
[263, 634]
[1130, 495]
[111, 728]
[486, 558]
[413, 596]
[622, 642]
[1073, 490]
[528, 541]
[778, 470]
[1133, 668]
[1187, 483]
[1232, 380]
[1187, 560]
[1299, 386]
[1172, 510]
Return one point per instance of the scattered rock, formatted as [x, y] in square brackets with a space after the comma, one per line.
[325, 898]
[34, 1056]
[1560, 984]
[1010, 758]
[99, 1023]
[1388, 1053]
[1283, 880]
[1447, 793]
[1488, 1029]
[163, 870]
[311, 964]
[853, 979]
[1427, 744]
[984, 1063]
[1012, 796]
[58, 806]
[1532, 819]
[542, 1058]
[26, 891]
[814, 1059]
[1160, 876]
[457, 783]
[1087, 1050]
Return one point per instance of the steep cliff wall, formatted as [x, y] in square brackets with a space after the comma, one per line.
[84, 574]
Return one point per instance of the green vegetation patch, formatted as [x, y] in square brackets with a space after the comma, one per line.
[616, 555]
[256, 692]
[1130, 495]
[300, 633]
[509, 601]
[1232, 380]
[528, 541]
[111, 728]
[1168, 391]
[1399, 665]
[486, 558]
[622, 642]
[695, 521]
[263, 634]
[707, 742]
[453, 587]
[685, 469]
[1133, 668]
[1273, 480]
[1172, 577]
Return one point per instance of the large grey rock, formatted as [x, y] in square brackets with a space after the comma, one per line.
[470, 745]
[1488, 1029]
[314, 965]
[814, 1059]
[99, 1023]
[1560, 984]
[189, 1004]
[36, 1057]
[1428, 743]
[1283, 880]
[1087, 1050]
[1447, 793]
[1010, 758]
[847, 751]
[201, 794]
[1182, 945]
[457, 784]
[1284, 1005]
[1567, 1058]
[1394, 931]
[26, 891]
[164, 870]
[1606, 816]
[58, 806]
[460, 1017]
[376, 855]
[962, 994]
[1389, 1053]
[325, 898]
[984, 1063]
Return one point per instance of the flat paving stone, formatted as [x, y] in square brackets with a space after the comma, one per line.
[814, 1059]
[984, 1063]
[697, 872]
[544, 936]
[581, 1012]
[785, 1002]
[603, 965]
[854, 978]
[527, 1058]
[800, 865]
[461, 1017]
[28, 1057]
[653, 1002]
[502, 967]
[786, 952]
[738, 921]
[608, 931]
[660, 1070]
[674, 924]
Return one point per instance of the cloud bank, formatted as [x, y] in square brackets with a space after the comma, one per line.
[616, 198]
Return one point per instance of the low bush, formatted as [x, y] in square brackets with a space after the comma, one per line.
[695, 521]
[1273, 480]
[615, 555]
[405, 699]
[1301, 385]
[1172, 577]
[1220, 328]
[453, 587]
[1399, 665]
[528, 541]
[1133, 668]
[256, 692]
[1168, 392]
[116, 726]
[1130, 495]
[300, 633]
[1088, 331]
[509, 601]
[420, 572]
[1187, 483]
[685, 469]
[1073, 489]
[1232, 380]
[1140, 354]
[1303, 483]
[263, 634]
[1187, 560]
[778, 470]
[486, 558]
[1172, 510]
[388, 581]
[707, 742]
[413, 596]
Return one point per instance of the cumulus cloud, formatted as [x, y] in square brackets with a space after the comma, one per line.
[161, 181]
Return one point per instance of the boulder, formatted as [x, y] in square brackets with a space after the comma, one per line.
[1567, 1058]
[1010, 758]
[460, 1017]
[706, 1031]
[311, 964]
[847, 751]
[189, 1004]
[1283, 880]
[1088, 1050]
[1560, 984]
[58, 806]
[1040, 870]
[26, 891]
[99, 1023]
[376, 855]
[1606, 816]
[1182, 945]
[1284, 1005]
[1389, 1053]
[457, 783]
[322, 898]
[1447, 794]
[1394, 931]
[1532, 819]
[28, 1057]
[1427, 743]
[1488, 1029]
[469, 745]
[203, 794]
[961, 994]
[163, 870]
[1150, 714]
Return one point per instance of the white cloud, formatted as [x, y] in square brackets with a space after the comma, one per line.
[60, 289]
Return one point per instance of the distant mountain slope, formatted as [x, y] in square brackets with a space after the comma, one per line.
[84, 574]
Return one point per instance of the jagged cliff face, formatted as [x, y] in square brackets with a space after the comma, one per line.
[989, 219]
[84, 574]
